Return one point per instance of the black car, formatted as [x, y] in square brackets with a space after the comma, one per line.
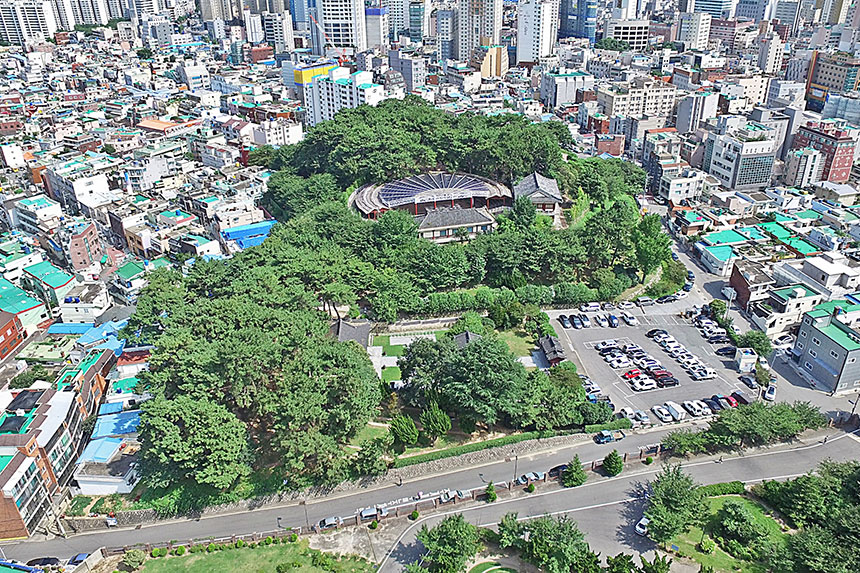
[749, 381]
[687, 287]
[720, 339]
[690, 276]
[654, 332]
[565, 322]
[667, 298]
[609, 350]
[667, 382]
[44, 562]
[741, 397]
[712, 404]
[674, 256]
[557, 471]
[725, 351]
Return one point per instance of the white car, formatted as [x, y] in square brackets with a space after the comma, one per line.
[784, 341]
[606, 344]
[681, 294]
[614, 356]
[770, 393]
[661, 336]
[692, 408]
[642, 417]
[629, 319]
[627, 413]
[601, 321]
[620, 363]
[641, 527]
[625, 305]
[643, 385]
[667, 340]
[662, 414]
[706, 410]
[628, 348]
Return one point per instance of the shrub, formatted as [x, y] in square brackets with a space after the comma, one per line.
[240, 544]
[134, 559]
[322, 560]
[474, 447]
[267, 541]
[414, 515]
[530, 488]
[619, 424]
[573, 475]
[649, 460]
[211, 548]
[724, 488]
[707, 545]
[179, 551]
[491, 493]
[613, 464]
[374, 524]
[294, 537]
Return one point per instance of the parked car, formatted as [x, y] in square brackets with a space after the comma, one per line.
[589, 307]
[76, 560]
[645, 301]
[613, 320]
[609, 436]
[691, 276]
[565, 322]
[608, 306]
[712, 404]
[667, 382]
[601, 320]
[630, 374]
[749, 381]
[371, 513]
[674, 256]
[662, 413]
[675, 410]
[530, 477]
[654, 332]
[576, 322]
[630, 319]
[681, 294]
[44, 562]
[330, 523]
[625, 305]
[741, 397]
[725, 351]
[641, 417]
[706, 410]
[784, 341]
[667, 299]
[626, 412]
[621, 362]
[692, 408]
[641, 527]
[643, 385]
[687, 287]
[556, 471]
[719, 339]
[770, 393]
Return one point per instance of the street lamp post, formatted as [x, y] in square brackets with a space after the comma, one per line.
[516, 463]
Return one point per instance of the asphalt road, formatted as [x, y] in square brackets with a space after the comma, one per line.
[606, 508]
[293, 515]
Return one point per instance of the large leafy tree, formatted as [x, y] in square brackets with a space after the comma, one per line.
[651, 244]
[191, 440]
[450, 544]
[288, 195]
[675, 503]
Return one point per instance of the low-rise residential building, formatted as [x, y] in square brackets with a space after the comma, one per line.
[751, 282]
[783, 308]
[49, 282]
[542, 191]
[338, 90]
[31, 313]
[12, 333]
[828, 346]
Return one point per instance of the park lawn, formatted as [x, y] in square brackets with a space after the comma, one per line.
[442, 443]
[719, 559]
[520, 342]
[387, 348]
[391, 373]
[261, 558]
[369, 432]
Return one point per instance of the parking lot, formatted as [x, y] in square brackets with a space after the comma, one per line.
[580, 345]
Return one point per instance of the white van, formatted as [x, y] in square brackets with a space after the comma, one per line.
[676, 411]
[589, 307]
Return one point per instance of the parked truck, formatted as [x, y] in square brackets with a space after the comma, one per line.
[608, 436]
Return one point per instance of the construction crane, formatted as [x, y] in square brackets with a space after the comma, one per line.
[342, 58]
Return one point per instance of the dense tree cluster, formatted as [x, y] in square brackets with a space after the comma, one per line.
[244, 371]
[826, 504]
[755, 424]
[484, 383]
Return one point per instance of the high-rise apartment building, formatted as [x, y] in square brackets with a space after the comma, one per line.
[642, 96]
[23, 21]
[413, 68]
[755, 10]
[695, 109]
[479, 23]
[831, 73]
[278, 32]
[253, 27]
[90, 12]
[836, 143]
[340, 90]
[417, 20]
[263, 6]
[218, 9]
[770, 50]
[378, 26]
[537, 28]
[694, 29]
[788, 13]
[446, 33]
[803, 167]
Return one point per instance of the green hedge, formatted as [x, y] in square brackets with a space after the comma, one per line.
[724, 488]
[476, 447]
[619, 424]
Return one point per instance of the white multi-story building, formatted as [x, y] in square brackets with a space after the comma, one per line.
[253, 26]
[23, 21]
[694, 29]
[479, 23]
[686, 184]
[643, 96]
[278, 32]
[786, 92]
[340, 90]
[378, 26]
[558, 88]
[196, 77]
[277, 132]
[742, 159]
[696, 108]
[634, 32]
[210, 10]
[770, 50]
[37, 214]
[344, 24]
[803, 167]
[537, 28]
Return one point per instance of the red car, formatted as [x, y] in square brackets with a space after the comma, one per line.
[661, 374]
[630, 374]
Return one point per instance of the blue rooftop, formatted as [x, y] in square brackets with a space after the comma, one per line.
[114, 408]
[249, 235]
[101, 333]
[69, 328]
[119, 424]
[100, 450]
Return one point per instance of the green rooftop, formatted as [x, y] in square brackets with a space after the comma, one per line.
[724, 237]
[788, 292]
[808, 214]
[124, 386]
[14, 299]
[37, 202]
[721, 252]
[782, 218]
[4, 461]
[776, 230]
[840, 337]
[129, 271]
[49, 274]
[68, 375]
[801, 246]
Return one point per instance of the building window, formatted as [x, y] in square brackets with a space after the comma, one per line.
[834, 354]
[852, 360]
[812, 353]
[815, 341]
[807, 365]
[803, 334]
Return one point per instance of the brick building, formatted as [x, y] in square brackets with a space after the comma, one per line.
[11, 333]
[836, 143]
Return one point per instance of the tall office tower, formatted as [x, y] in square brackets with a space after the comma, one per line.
[479, 24]
[344, 26]
[417, 29]
[694, 30]
[446, 33]
[217, 9]
[90, 12]
[537, 29]
[721, 9]
[835, 11]
[23, 21]
[686, 6]
[253, 26]
[398, 17]
[788, 13]
[626, 9]
[755, 10]
[578, 19]
[115, 9]
[770, 50]
[377, 26]
[271, 6]
[278, 32]
[299, 12]
[566, 18]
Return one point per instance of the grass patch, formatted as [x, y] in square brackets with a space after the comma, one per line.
[260, 558]
[391, 373]
[387, 348]
[473, 447]
[442, 443]
[673, 278]
[107, 504]
[719, 560]
[367, 433]
[79, 505]
[520, 342]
